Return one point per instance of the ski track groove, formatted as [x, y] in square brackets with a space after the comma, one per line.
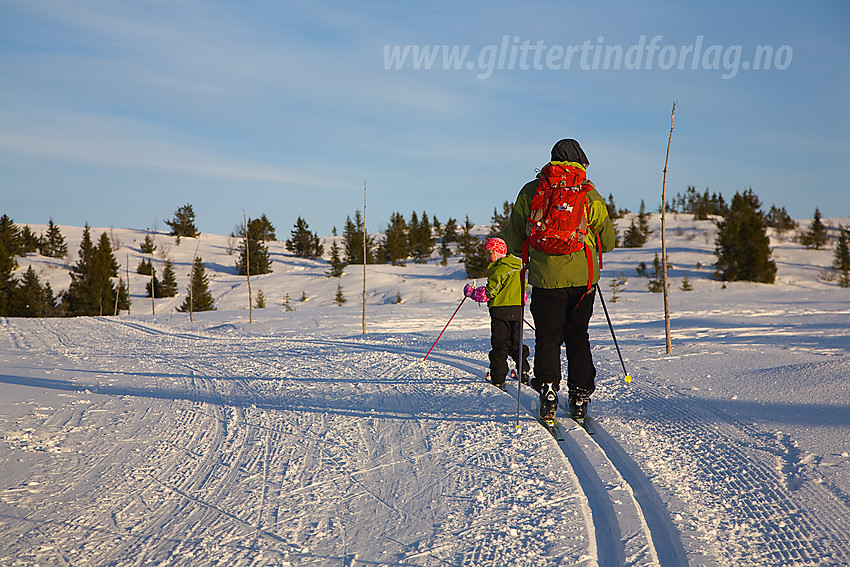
[609, 545]
[749, 480]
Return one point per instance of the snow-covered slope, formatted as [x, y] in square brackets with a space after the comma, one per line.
[300, 440]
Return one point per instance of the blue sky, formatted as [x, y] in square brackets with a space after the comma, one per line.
[118, 113]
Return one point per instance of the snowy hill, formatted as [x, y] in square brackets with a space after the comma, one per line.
[300, 440]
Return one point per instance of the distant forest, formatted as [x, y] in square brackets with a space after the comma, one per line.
[741, 247]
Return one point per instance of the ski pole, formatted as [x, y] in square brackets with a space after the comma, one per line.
[627, 377]
[522, 273]
[444, 328]
[529, 324]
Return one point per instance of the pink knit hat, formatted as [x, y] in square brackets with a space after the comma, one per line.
[497, 245]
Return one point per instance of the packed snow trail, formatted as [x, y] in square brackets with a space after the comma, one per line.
[131, 444]
[128, 441]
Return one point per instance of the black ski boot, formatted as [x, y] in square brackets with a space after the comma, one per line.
[548, 401]
[578, 407]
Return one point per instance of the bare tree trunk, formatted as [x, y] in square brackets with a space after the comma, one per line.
[153, 287]
[364, 258]
[127, 268]
[192, 283]
[117, 295]
[248, 270]
[664, 239]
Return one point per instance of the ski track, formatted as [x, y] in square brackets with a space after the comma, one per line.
[189, 454]
[740, 482]
[183, 448]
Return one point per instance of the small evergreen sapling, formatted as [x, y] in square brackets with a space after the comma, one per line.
[816, 237]
[339, 298]
[617, 285]
[198, 296]
[841, 261]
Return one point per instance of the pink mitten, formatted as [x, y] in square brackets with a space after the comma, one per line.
[479, 295]
[467, 290]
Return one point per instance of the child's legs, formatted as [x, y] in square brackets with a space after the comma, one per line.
[500, 340]
[513, 348]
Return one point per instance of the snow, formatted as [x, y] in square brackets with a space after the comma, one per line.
[297, 439]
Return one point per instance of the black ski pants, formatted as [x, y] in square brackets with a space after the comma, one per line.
[505, 329]
[561, 317]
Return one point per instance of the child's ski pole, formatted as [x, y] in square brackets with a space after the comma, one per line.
[444, 328]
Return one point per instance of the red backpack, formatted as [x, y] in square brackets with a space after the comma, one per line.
[557, 219]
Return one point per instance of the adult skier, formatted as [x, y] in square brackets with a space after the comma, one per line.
[562, 293]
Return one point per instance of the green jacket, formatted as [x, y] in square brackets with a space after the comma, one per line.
[560, 270]
[503, 282]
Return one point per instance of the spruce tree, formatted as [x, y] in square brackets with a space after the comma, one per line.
[53, 244]
[106, 268]
[475, 260]
[742, 246]
[29, 240]
[183, 223]
[643, 221]
[266, 229]
[450, 233]
[352, 241]
[10, 236]
[7, 283]
[79, 299]
[168, 287]
[148, 245]
[337, 265]
[816, 237]
[253, 249]
[656, 281]
[198, 296]
[841, 261]
[8, 265]
[613, 213]
[339, 298]
[499, 221]
[634, 237]
[396, 247]
[31, 299]
[779, 219]
[303, 243]
[421, 238]
[145, 267]
[91, 291]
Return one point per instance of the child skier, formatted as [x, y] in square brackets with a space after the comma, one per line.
[503, 296]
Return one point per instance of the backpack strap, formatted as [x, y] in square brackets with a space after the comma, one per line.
[589, 256]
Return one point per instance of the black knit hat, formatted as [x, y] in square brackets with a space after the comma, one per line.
[569, 150]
